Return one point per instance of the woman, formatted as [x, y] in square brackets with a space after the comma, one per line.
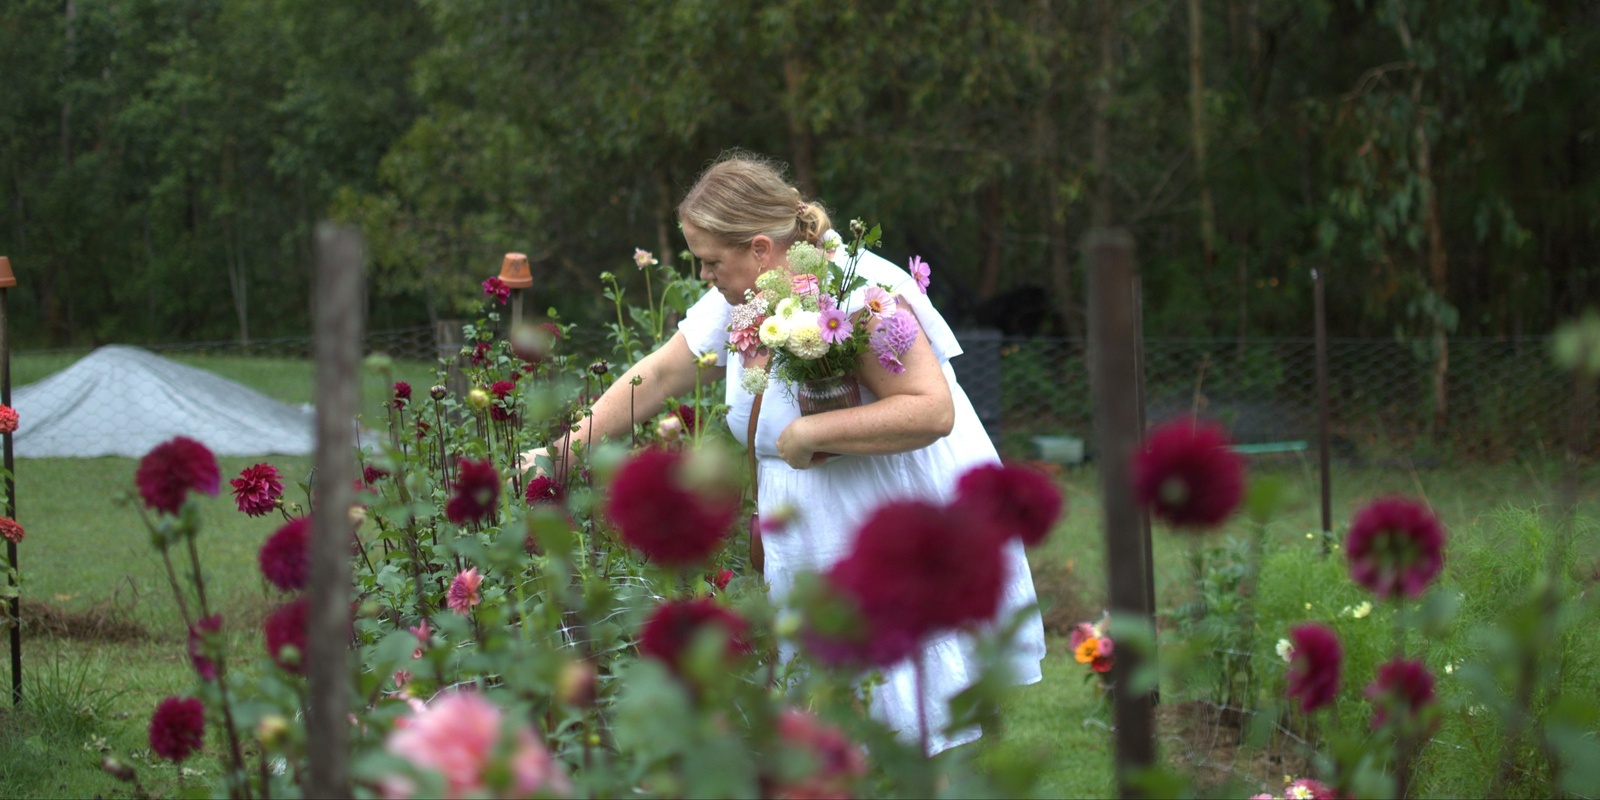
[911, 438]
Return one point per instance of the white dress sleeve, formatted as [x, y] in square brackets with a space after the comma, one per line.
[705, 327]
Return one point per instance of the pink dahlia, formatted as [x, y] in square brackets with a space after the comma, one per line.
[476, 491]
[402, 394]
[285, 558]
[894, 336]
[836, 762]
[1188, 475]
[11, 530]
[203, 636]
[8, 420]
[285, 628]
[1402, 686]
[915, 568]
[459, 736]
[675, 624]
[1019, 502]
[919, 270]
[496, 288]
[1315, 665]
[663, 519]
[257, 489]
[178, 728]
[174, 468]
[1395, 546]
[502, 411]
[463, 593]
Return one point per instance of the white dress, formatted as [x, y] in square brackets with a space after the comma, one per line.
[835, 497]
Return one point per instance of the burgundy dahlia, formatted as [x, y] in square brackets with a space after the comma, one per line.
[686, 415]
[672, 629]
[1401, 686]
[178, 728]
[663, 519]
[836, 761]
[285, 558]
[476, 491]
[496, 288]
[1395, 545]
[501, 410]
[1020, 502]
[480, 354]
[1315, 666]
[286, 628]
[370, 475]
[202, 635]
[174, 468]
[402, 394]
[1188, 476]
[544, 490]
[257, 489]
[915, 569]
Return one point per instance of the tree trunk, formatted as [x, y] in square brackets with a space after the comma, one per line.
[801, 140]
[1197, 121]
[664, 212]
[991, 230]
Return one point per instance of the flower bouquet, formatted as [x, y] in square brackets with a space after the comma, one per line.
[1091, 645]
[800, 315]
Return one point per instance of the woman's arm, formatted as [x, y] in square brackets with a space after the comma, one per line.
[670, 371]
[914, 409]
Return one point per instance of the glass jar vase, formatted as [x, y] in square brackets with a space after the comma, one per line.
[827, 394]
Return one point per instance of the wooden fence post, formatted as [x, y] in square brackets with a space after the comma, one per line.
[1324, 459]
[1115, 383]
[14, 604]
[337, 349]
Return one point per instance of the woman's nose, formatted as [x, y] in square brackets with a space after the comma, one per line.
[705, 273]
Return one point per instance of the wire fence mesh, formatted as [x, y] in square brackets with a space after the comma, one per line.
[1503, 396]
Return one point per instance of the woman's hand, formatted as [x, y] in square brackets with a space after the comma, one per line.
[796, 448]
[530, 460]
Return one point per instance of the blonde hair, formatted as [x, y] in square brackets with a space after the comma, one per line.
[743, 195]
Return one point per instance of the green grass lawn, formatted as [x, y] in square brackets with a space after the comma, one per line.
[89, 569]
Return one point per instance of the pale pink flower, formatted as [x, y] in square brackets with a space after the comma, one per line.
[879, 303]
[919, 270]
[464, 591]
[456, 736]
[644, 258]
[424, 634]
[835, 325]
[804, 283]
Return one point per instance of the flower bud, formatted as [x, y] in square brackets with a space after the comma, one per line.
[576, 684]
[708, 360]
[438, 392]
[670, 429]
[478, 399]
[358, 516]
[271, 730]
[599, 367]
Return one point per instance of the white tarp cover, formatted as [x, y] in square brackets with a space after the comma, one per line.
[123, 401]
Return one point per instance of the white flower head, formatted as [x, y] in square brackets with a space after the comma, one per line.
[774, 330]
[805, 258]
[786, 307]
[1285, 649]
[754, 380]
[773, 283]
[805, 339]
[1362, 610]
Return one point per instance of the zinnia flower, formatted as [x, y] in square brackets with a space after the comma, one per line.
[477, 490]
[11, 530]
[836, 761]
[8, 420]
[174, 468]
[496, 288]
[178, 728]
[464, 591]
[285, 558]
[1314, 665]
[1402, 685]
[919, 270]
[1019, 502]
[1395, 546]
[915, 568]
[835, 325]
[402, 394]
[673, 626]
[501, 410]
[457, 736]
[257, 489]
[543, 490]
[1187, 475]
[879, 303]
[286, 628]
[200, 635]
[662, 518]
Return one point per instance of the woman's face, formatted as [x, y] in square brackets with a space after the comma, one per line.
[730, 270]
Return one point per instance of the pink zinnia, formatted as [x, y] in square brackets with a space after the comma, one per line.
[835, 325]
[1403, 686]
[11, 530]
[174, 468]
[476, 491]
[919, 270]
[257, 489]
[402, 394]
[8, 420]
[201, 635]
[1395, 546]
[660, 517]
[1315, 666]
[285, 558]
[457, 736]
[1019, 502]
[178, 728]
[1188, 475]
[464, 591]
[496, 288]
[286, 628]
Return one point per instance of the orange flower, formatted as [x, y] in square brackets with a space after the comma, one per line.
[1087, 650]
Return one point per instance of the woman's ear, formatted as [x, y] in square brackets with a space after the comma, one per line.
[761, 248]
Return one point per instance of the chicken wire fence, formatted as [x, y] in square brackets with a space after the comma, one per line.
[1503, 396]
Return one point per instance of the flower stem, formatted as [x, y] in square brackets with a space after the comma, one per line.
[922, 702]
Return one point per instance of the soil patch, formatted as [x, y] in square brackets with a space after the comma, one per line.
[1206, 742]
[97, 623]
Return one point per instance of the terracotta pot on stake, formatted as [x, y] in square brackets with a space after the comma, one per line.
[514, 274]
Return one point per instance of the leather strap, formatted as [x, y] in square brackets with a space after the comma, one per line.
[758, 555]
